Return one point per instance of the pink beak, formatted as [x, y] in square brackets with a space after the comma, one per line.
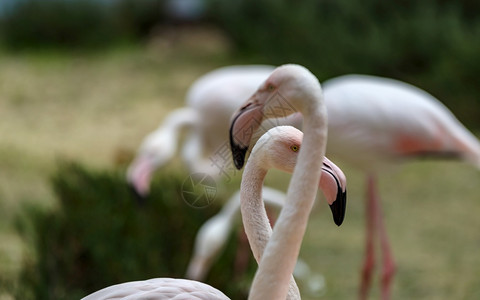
[244, 124]
[139, 175]
[333, 183]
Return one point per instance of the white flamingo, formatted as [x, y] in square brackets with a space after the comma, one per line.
[280, 254]
[277, 258]
[211, 101]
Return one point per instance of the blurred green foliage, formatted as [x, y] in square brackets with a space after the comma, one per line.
[31, 24]
[99, 236]
[431, 44]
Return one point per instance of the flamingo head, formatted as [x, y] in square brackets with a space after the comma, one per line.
[279, 149]
[283, 93]
[156, 149]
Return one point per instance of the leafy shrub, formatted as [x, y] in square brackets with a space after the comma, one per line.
[99, 236]
[56, 22]
[78, 23]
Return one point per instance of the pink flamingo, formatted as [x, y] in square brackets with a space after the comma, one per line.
[303, 92]
[211, 100]
[278, 148]
[376, 122]
[213, 234]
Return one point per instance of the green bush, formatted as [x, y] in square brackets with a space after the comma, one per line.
[56, 22]
[78, 24]
[99, 236]
[431, 44]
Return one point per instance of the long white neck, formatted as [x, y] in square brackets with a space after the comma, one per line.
[276, 266]
[254, 216]
[269, 195]
[178, 119]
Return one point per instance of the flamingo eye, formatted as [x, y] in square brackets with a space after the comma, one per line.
[294, 148]
[270, 87]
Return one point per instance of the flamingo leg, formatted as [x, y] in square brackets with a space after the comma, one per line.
[388, 263]
[371, 225]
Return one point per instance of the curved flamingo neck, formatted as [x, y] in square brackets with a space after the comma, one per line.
[167, 133]
[254, 216]
[179, 118]
[255, 220]
[276, 267]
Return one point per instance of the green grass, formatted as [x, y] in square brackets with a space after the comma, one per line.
[96, 108]
[431, 210]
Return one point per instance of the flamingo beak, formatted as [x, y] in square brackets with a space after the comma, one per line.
[139, 175]
[333, 183]
[244, 124]
[339, 207]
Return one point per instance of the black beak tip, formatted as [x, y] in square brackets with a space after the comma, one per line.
[239, 157]
[140, 199]
[339, 207]
[238, 154]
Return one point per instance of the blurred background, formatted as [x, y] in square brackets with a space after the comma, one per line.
[82, 82]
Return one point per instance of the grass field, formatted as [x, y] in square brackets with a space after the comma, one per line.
[96, 108]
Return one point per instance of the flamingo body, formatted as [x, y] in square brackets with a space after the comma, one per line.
[159, 289]
[376, 121]
[215, 96]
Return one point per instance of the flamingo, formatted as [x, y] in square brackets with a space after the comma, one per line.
[213, 234]
[301, 89]
[278, 148]
[211, 100]
[376, 122]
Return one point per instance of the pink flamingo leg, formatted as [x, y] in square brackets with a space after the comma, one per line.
[374, 219]
[388, 267]
[371, 219]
